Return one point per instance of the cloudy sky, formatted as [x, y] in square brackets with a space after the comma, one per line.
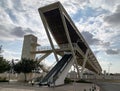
[98, 21]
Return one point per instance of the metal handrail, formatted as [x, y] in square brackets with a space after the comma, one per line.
[62, 46]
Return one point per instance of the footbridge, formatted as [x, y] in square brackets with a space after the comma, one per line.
[70, 45]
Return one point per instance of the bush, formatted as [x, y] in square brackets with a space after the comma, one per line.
[4, 65]
[83, 81]
[25, 66]
[3, 79]
[67, 80]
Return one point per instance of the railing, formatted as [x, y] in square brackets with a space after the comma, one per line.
[62, 46]
[41, 48]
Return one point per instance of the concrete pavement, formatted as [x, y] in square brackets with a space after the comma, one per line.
[26, 87]
[109, 86]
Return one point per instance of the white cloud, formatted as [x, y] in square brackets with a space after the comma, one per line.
[16, 14]
[9, 55]
[99, 34]
[103, 28]
[114, 18]
[113, 51]
[105, 4]
[72, 6]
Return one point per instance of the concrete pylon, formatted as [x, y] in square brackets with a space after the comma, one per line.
[29, 45]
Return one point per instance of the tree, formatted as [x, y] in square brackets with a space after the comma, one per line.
[25, 66]
[4, 65]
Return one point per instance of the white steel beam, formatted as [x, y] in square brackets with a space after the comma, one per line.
[84, 62]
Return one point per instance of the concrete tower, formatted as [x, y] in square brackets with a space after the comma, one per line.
[29, 45]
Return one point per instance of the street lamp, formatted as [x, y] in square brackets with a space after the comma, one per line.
[109, 65]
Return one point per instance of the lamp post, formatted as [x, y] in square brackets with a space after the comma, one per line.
[109, 65]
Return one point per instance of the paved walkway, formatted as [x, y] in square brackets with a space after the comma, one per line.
[109, 86]
[70, 87]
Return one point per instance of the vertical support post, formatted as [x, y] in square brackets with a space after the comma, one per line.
[48, 34]
[84, 63]
[69, 40]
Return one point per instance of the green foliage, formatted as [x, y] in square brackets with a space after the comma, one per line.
[3, 79]
[83, 81]
[4, 65]
[25, 66]
[67, 80]
[17, 67]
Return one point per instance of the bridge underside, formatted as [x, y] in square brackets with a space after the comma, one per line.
[59, 24]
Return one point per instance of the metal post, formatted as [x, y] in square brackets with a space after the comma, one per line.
[109, 65]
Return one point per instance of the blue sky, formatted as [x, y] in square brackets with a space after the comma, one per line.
[98, 22]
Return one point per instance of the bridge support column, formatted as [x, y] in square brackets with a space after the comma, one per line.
[84, 63]
[48, 34]
[69, 41]
[43, 57]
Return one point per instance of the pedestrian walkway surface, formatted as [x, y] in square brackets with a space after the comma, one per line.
[69, 87]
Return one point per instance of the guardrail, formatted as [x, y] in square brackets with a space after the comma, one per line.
[62, 46]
